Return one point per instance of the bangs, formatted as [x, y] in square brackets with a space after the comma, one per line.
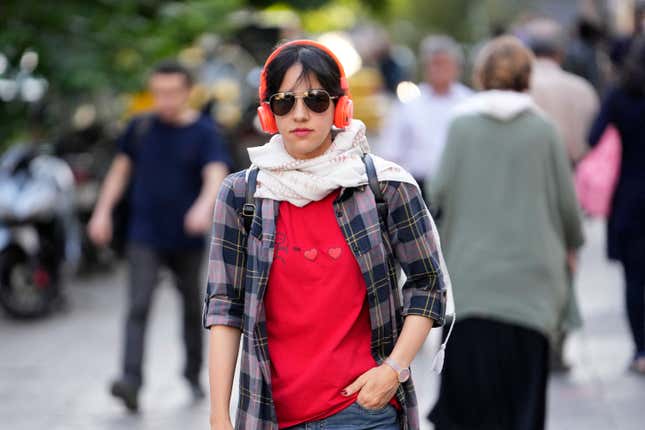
[314, 62]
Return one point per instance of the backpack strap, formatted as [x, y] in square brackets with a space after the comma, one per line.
[372, 181]
[248, 209]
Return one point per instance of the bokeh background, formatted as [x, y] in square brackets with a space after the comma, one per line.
[73, 72]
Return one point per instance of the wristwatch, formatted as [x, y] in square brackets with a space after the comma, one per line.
[403, 373]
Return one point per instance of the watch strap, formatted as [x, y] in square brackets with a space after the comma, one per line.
[394, 365]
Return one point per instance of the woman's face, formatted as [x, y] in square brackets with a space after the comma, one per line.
[306, 134]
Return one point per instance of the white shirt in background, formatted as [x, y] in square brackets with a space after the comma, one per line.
[414, 133]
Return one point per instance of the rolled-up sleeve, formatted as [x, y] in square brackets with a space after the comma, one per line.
[415, 245]
[224, 303]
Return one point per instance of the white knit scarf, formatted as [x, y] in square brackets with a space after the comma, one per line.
[282, 177]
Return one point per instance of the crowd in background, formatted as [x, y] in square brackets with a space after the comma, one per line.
[494, 135]
[498, 169]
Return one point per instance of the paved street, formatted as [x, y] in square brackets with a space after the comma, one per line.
[54, 373]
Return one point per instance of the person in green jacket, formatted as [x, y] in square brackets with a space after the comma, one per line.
[510, 226]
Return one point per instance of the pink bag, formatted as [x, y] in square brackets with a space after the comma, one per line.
[597, 174]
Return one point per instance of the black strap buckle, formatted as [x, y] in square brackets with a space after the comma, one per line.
[248, 209]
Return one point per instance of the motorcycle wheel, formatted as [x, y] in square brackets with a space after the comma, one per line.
[25, 291]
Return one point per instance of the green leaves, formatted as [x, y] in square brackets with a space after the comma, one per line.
[91, 47]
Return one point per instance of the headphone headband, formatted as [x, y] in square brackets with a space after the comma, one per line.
[343, 78]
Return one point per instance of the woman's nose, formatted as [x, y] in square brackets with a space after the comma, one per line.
[300, 110]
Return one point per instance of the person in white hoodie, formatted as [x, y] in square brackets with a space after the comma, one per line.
[509, 224]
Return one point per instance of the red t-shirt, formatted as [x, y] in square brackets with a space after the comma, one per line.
[317, 315]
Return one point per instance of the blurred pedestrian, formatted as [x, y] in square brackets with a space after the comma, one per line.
[373, 44]
[569, 100]
[175, 164]
[311, 280]
[624, 107]
[572, 104]
[585, 54]
[510, 223]
[621, 45]
[414, 132]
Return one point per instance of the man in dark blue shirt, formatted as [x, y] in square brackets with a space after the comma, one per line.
[175, 162]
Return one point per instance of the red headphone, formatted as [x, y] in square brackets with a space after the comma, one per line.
[344, 107]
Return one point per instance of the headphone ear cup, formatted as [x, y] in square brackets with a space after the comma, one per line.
[344, 112]
[267, 120]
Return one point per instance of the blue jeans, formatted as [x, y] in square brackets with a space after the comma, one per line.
[356, 417]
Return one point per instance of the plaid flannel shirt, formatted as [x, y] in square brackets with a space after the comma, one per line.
[239, 269]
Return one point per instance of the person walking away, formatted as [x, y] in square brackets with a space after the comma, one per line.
[624, 108]
[510, 222]
[174, 161]
[586, 56]
[569, 100]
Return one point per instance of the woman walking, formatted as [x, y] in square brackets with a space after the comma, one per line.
[311, 282]
[509, 223]
[624, 107]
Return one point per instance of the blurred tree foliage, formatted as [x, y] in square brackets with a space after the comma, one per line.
[296, 4]
[89, 44]
[466, 20]
[86, 47]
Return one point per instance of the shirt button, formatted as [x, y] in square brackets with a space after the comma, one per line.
[355, 248]
[339, 214]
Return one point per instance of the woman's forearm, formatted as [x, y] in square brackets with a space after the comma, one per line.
[414, 332]
[223, 347]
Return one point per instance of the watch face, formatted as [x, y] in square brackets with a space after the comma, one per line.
[404, 375]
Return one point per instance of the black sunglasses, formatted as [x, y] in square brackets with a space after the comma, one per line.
[316, 100]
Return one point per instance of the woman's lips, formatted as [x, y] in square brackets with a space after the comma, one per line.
[302, 132]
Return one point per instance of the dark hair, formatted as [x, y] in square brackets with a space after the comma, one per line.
[590, 31]
[314, 61]
[171, 67]
[633, 73]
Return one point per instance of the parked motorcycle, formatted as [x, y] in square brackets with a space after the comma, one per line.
[89, 153]
[39, 234]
